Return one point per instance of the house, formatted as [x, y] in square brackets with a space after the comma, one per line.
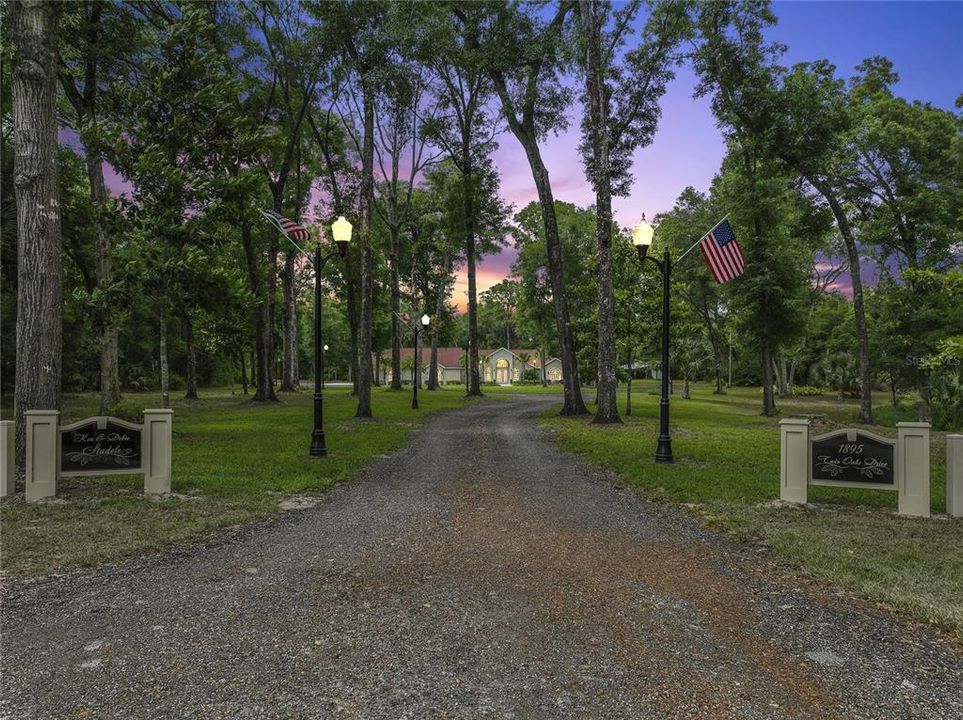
[501, 365]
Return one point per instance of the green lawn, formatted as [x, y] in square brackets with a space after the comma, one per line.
[727, 464]
[232, 459]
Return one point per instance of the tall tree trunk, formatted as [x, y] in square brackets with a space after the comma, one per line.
[524, 130]
[433, 368]
[263, 339]
[395, 311]
[290, 375]
[367, 262]
[165, 377]
[37, 377]
[353, 316]
[191, 393]
[607, 410]
[573, 404]
[859, 310]
[84, 101]
[243, 373]
[768, 401]
[628, 386]
[109, 346]
[782, 375]
[474, 384]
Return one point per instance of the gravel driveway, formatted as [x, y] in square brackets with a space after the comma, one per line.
[477, 573]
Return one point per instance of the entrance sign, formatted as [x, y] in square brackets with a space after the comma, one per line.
[97, 446]
[853, 457]
[100, 446]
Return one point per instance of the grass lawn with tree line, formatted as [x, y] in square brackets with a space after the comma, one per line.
[234, 461]
[727, 467]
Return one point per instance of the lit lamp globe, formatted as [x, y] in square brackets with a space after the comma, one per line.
[341, 230]
[642, 237]
[325, 348]
[425, 320]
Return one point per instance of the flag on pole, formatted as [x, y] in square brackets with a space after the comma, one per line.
[295, 231]
[722, 253]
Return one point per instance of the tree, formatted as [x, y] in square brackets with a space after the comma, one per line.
[464, 130]
[621, 114]
[733, 64]
[812, 130]
[525, 57]
[97, 37]
[905, 172]
[365, 36]
[398, 138]
[575, 228]
[33, 33]
[182, 92]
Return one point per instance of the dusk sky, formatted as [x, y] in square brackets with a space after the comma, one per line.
[923, 39]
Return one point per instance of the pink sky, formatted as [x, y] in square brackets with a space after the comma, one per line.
[921, 38]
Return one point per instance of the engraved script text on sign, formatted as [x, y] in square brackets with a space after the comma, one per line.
[100, 445]
[854, 457]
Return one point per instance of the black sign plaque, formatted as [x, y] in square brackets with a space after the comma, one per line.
[100, 445]
[852, 456]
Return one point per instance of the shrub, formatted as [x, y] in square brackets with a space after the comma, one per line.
[807, 391]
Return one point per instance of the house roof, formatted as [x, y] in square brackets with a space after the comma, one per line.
[533, 356]
[454, 357]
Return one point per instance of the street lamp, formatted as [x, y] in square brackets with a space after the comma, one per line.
[642, 238]
[416, 378]
[341, 230]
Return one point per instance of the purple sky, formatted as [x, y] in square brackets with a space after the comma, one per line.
[923, 39]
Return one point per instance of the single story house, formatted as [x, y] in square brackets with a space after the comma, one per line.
[500, 365]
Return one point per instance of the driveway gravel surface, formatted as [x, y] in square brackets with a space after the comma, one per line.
[478, 573]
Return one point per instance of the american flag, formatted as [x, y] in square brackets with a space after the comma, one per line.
[293, 230]
[722, 253]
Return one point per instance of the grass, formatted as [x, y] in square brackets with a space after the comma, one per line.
[727, 464]
[232, 460]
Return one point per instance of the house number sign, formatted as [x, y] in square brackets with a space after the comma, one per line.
[852, 458]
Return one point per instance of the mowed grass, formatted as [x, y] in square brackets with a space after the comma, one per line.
[727, 465]
[233, 461]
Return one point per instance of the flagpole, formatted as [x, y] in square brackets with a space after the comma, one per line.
[700, 239]
[280, 229]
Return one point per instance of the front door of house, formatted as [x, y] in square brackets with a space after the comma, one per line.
[501, 372]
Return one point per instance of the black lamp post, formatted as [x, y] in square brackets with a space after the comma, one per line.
[467, 361]
[642, 239]
[416, 377]
[341, 229]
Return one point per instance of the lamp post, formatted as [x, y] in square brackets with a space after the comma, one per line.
[642, 238]
[467, 361]
[416, 377]
[341, 230]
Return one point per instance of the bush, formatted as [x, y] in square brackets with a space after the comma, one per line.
[807, 391]
[132, 410]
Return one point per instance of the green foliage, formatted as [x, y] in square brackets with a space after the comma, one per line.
[807, 391]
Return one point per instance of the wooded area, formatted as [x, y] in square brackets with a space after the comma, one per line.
[141, 140]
